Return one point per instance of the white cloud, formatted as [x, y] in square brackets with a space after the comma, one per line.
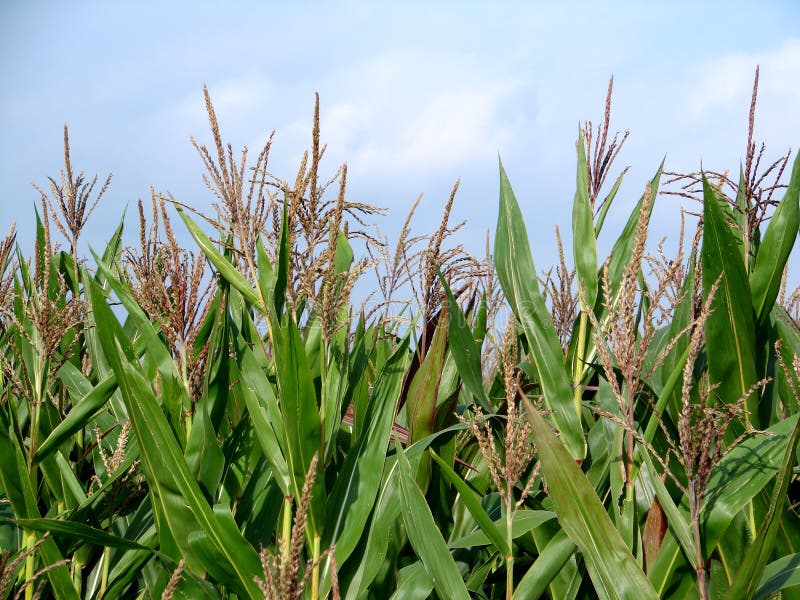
[450, 128]
[238, 103]
[343, 122]
[728, 80]
[416, 113]
[387, 114]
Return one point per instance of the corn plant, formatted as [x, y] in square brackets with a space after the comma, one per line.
[228, 421]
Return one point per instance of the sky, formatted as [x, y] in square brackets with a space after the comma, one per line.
[414, 95]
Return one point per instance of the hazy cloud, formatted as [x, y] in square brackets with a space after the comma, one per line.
[406, 112]
[728, 79]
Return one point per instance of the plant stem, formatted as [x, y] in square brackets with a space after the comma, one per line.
[77, 574]
[579, 358]
[104, 576]
[30, 564]
[287, 527]
[315, 572]
[629, 438]
[702, 585]
[510, 540]
[186, 411]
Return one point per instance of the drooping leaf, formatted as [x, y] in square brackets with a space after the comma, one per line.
[185, 510]
[611, 566]
[78, 417]
[473, 504]
[739, 476]
[228, 271]
[425, 537]
[80, 532]
[752, 569]
[546, 567]
[779, 574]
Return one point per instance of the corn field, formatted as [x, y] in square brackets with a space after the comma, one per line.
[230, 419]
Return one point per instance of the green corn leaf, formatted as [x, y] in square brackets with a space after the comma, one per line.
[620, 254]
[220, 560]
[584, 242]
[334, 384]
[739, 476]
[73, 488]
[113, 248]
[524, 521]
[779, 574]
[739, 216]
[777, 245]
[282, 274]
[789, 336]
[674, 359]
[670, 565]
[88, 508]
[78, 417]
[729, 328]
[354, 380]
[228, 271]
[386, 513]
[353, 496]
[217, 381]
[266, 273]
[344, 254]
[752, 569]
[518, 278]
[546, 567]
[671, 384]
[425, 537]
[80, 532]
[183, 506]
[185, 509]
[606, 204]
[203, 455]
[16, 487]
[265, 414]
[469, 497]
[611, 566]
[422, 393]
[300, 411]
[414, 583]
[676, 520]
[465, 351]
[74, 381]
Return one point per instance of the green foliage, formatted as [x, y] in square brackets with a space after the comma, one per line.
[254, 432]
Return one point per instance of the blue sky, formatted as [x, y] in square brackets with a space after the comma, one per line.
[412, 97]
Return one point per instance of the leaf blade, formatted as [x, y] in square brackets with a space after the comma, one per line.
[613, 570]
[425, 537]
[517, 274]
